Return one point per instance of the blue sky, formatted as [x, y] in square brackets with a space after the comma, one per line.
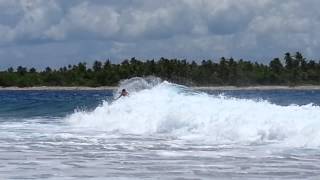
[40, 33]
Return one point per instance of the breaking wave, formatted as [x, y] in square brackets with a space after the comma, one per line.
[156, 107]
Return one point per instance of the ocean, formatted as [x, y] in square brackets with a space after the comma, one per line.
[160, 131]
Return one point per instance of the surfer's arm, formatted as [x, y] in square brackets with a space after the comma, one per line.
[118, 97]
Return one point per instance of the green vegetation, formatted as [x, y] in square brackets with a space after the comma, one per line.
[291, 70]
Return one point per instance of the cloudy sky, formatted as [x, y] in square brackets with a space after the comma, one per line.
[54, 33]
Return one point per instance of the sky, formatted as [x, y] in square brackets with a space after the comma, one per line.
[41, 33]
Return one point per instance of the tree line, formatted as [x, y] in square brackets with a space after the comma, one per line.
[292, 70]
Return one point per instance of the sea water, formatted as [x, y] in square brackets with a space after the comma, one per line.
[161, 131]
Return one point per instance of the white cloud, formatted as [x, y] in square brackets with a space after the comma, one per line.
[101, 21]
[180, 28]
[38, 16]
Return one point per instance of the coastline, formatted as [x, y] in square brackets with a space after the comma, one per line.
[58, 88]
[220, 88]
[260, 88]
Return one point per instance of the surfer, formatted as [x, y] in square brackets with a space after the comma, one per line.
[123, 93]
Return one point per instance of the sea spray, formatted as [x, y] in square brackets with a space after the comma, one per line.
[156, 107]
[137, 84]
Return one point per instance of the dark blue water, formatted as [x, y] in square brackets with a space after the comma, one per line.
[279, 97]
[25, 104]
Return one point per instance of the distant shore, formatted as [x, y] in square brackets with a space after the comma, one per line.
[222, 88]
[58, 88]
[225, 88]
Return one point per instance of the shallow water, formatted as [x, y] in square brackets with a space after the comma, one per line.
[163, 132]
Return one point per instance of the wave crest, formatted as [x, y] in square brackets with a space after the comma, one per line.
[163, 107]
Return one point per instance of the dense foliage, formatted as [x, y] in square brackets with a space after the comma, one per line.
[291, 70]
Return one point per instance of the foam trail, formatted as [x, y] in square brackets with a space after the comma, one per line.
[176, 110]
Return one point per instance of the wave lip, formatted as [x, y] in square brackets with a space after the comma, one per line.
[168, 108]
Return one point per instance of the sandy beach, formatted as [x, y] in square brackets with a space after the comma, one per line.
[225, 88]
[222, 88]
[58, 88]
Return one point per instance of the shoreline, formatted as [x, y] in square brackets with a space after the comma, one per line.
[213, 88]
[260, 88]
[58, 88]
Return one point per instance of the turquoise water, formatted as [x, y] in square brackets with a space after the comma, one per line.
[161, 132]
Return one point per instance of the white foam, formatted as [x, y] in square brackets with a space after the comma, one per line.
[175, 110]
